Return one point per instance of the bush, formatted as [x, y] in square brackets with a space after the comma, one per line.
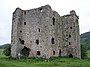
[83, 51]
[7, 50]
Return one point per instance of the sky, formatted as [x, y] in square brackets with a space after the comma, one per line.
[63, 7]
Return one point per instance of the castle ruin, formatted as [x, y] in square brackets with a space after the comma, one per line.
[44, 33]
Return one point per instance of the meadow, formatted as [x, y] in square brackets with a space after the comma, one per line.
[38, 62]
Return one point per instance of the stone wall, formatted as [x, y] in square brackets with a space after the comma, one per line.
[45, 33]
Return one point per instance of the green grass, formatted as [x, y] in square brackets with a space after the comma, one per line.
[53, 62]
[1, 53]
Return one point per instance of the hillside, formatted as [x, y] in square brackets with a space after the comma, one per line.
[3, 46]
[85, 39]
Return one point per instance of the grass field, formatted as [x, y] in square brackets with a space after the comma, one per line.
[54, 62]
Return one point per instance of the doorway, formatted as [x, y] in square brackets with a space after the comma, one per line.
[25, 51]
[70, 55]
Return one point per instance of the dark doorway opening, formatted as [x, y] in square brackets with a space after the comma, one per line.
[70, 55]
[59, 52]
[25, 51]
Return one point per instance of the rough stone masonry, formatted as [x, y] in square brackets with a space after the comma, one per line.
[42, 32]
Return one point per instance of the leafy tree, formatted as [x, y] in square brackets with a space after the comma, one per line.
[85, 39]
[7, 50]
[83, 51]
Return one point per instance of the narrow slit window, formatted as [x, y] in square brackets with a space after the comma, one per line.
[53, 21]
[52, 40]
[39, 29]
[53, 52]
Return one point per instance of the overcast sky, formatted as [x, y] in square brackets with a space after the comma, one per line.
[63, 7]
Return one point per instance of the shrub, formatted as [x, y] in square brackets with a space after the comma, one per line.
[7, 50]
[83, 51]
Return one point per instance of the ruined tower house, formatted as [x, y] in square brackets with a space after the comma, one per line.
[44, 33]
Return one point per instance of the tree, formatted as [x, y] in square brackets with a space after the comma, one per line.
[7, 50]
[83, 51]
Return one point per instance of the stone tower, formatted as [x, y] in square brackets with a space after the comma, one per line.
[44, 33]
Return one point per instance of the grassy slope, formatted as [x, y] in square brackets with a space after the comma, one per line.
[55, 62]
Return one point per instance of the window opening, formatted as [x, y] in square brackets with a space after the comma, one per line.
[39, 29]
[41, 9]
[53, 21]
[53, 52]
[22, 41]
[52, 40]
[38, 52]
[24, 12]
[24, 23]
[37, 42]
[69, 43]
[69, 35]
[70, 27]
[20, 31]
